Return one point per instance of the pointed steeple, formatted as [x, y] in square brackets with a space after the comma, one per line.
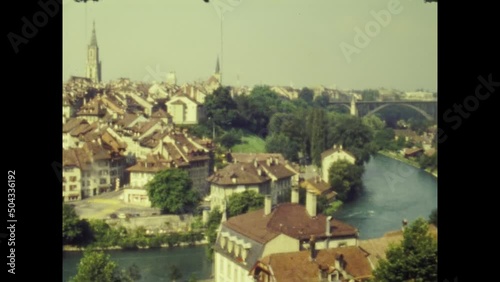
[93, 62]
[217, 66]
[93, 40]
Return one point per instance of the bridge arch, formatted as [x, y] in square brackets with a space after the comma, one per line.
[422, 112]
[348, 107]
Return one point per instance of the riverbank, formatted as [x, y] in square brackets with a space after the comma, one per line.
[400, 158]
[70, 248]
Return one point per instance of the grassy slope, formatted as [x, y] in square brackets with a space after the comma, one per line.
[251, 144]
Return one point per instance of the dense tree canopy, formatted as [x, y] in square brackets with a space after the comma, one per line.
[230, 138]
[433, 217]
[355, 136]
[373, 122]
[345, 179]
[95, 266]
[370, 94]
[281, 143]
[71, 228]
[426, 161]
[171, 190]
[239, 203]
[307, 95]
[174, 273]
[220, 108]
[258, 107]
[414, 259]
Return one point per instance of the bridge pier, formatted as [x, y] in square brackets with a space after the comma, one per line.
[353, 109]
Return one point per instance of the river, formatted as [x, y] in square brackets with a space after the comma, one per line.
[393, 191]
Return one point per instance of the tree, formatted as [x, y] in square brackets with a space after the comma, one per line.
[214, 218]
[433, 217]
[322, 100]
[130, 274]
[258, 107]
[373, 122]
[307, 95]
[428, 161]
[221, 108]
[171, 190]
[355, 136]
[245, 201]
[71, 228]
[370, 94]
[280, 143]
[318, 135]
[414, 259]
[192, 278]
[385, 139]
[332, 207]
[345, 179]
[95, 266]
[174, 273]
[230, 138]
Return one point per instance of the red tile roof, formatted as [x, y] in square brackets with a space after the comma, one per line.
[319, 187]
[297, 266]
[243, 173]
[290, 219]
[377, 247]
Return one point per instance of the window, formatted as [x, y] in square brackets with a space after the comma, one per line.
[64, 179]
[103, 172]
[72, 187]
[64, 188]
[68, 169]
[72, 179]
[102, 181]
[113, 172]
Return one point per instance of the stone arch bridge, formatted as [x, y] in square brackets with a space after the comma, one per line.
[427, 108]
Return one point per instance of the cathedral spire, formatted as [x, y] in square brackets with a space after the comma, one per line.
[93, 40]
[93, 62]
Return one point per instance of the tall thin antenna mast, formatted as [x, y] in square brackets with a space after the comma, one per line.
[221, 49]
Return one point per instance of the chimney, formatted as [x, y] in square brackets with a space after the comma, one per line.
[328, 226]
[311, 203]
[259, 171]
[233, 179]
[312, 248]
[267, 205]
[339, 261]
[224, 214]
[295, 195]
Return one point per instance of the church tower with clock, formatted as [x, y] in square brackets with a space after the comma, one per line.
[93, 63]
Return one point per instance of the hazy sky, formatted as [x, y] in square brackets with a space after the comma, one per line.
[275, 42]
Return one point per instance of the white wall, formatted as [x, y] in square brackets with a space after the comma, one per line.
[228, 271]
